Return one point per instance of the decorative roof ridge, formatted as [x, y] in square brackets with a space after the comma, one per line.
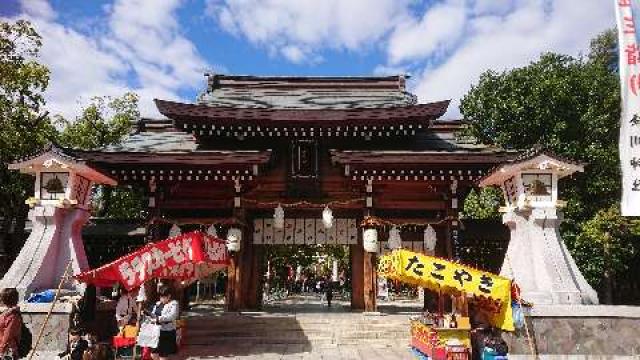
[53, 147]
[306, 78]
[539, 149]
[528, 154]
[160, 102]
[177, 152]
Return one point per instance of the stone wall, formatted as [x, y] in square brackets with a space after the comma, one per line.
[580, 330]
[56, 331]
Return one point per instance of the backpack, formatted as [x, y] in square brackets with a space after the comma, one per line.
[26, 340]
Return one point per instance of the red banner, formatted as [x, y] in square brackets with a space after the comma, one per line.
[184, 257]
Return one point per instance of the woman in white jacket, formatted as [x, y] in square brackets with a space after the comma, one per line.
[165, 313]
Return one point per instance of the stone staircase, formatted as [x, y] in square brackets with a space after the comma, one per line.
[306, 330]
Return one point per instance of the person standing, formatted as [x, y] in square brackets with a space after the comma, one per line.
[165, 313]
[328, 288]
[125, 309]
[10, 324]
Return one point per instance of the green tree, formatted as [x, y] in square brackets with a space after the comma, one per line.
[482, 204]
[105, 121]
[570, 106]
[24, 126]
[605, 246]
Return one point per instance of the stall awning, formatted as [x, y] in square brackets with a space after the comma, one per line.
[492, 292]
[185, 257]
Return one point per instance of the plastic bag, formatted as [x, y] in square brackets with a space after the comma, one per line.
[518, 316]
[46, 296]
[149, 335]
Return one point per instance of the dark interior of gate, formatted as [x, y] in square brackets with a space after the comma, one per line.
[362, 147]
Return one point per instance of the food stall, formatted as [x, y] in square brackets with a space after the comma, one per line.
[183, 258]
[448, 336]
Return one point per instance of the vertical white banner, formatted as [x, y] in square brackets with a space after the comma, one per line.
[629, 53]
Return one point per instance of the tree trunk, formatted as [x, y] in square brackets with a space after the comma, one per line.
[608, 287]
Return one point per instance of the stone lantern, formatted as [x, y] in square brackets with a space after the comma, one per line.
[59, 209]
[537, 259]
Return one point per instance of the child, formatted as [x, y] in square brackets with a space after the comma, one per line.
[76, 347]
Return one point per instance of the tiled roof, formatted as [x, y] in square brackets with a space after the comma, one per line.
[155, 142]
[273, 92]
[204, 114]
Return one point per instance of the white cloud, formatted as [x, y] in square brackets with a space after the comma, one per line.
[303, 25]
[437, 32]
[38, 8]
[294, 54]
[509, 40]
[447, 43]
[140, 50]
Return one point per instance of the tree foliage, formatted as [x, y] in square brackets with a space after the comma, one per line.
[571, 106]
[482, 204]
[24, 126]
[105, 121]
[606, 242]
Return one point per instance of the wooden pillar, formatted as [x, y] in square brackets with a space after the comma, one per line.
[356, 253]
[231, 303]
[370, 279]
[250, 274]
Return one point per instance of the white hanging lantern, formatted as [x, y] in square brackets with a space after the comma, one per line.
[211, 230]
[370, 240]
[327, 217]
[278, 218]
[175, 231]
[430, 239]
[395, 241]
[234, 238]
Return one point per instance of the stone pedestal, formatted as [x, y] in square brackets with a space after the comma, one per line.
[578, 332]
[54, 242]
[56, 330]
[539, 262]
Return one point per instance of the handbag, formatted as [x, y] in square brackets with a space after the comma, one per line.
[149, 335]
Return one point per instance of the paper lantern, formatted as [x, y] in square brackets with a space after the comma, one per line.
[395, 241]
[278, 218]
[175, 231]
[370, 240]
[211, 230]
[234, 238]
[430, 239]
[327, 217]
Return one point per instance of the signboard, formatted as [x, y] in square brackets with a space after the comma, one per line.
[307, 231]
[438, 274]
[629, 144]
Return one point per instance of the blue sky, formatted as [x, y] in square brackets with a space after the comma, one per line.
[160, 49]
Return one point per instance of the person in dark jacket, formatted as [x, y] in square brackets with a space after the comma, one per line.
[328, 288]
[76, 347]
[10, 324]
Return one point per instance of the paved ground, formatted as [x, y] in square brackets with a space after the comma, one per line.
[369, 352]
[308, 308]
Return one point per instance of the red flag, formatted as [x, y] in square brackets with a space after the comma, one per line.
[184, 257]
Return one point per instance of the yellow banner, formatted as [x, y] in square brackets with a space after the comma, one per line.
[493, 291]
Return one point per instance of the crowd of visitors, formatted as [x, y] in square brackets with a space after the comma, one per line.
[83, 343]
